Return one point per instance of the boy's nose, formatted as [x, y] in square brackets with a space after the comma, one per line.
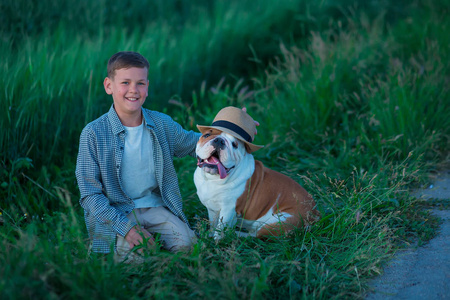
[132, 88]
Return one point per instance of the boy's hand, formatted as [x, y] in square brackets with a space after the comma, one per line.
[136, 236]
[256, 122]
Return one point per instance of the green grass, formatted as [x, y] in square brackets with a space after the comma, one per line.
[353, 102]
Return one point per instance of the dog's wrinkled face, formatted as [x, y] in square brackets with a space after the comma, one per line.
[218, 153]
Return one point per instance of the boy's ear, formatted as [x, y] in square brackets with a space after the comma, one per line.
[107, 85]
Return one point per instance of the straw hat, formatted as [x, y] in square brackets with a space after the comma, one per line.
[236, 122]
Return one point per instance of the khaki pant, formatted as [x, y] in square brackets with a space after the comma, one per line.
[175, 234]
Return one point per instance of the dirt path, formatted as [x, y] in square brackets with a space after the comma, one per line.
[424, 272]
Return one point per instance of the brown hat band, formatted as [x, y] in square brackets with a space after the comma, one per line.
[235, 128]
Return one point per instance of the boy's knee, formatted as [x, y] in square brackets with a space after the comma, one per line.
[180, 239]
[182, 246]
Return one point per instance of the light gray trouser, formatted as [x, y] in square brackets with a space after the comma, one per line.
[175, 234]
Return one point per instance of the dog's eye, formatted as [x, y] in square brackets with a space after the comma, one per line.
[235, 144]
[206, 135]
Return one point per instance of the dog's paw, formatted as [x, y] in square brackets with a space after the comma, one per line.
[240, 233]
[218, 235]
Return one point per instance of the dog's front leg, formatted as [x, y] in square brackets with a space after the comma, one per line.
[227, 218]
[213, 216]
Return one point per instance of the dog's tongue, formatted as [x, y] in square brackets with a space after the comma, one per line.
[220, 167]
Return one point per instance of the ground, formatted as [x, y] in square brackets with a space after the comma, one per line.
[421, 272]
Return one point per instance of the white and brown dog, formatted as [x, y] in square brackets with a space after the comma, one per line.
[238, 190]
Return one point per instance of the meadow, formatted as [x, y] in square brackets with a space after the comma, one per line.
[353, 101]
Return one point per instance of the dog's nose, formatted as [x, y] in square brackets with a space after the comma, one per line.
[219, 143]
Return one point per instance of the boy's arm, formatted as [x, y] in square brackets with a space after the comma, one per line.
[92, 197]
[185, 141]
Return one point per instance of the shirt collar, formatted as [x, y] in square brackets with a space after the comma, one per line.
[117, 126]
[148, 121]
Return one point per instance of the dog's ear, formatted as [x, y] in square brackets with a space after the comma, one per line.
[247, 148]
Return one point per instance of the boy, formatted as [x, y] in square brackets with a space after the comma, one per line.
[125, 172]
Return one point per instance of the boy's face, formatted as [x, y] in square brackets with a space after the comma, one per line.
[129, 89]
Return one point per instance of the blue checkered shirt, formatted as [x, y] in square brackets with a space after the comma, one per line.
[103, 199]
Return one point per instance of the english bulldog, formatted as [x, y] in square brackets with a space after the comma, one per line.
[238, 190]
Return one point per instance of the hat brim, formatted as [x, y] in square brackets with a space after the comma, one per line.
[250, 147]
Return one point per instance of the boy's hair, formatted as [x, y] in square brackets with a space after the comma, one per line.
[125, 60]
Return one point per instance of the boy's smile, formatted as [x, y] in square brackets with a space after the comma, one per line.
[129, 89]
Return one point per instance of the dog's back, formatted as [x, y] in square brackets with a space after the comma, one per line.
[270, 192]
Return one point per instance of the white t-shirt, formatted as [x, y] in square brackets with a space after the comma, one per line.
[138, 168]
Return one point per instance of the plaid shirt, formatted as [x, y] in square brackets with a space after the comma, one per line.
[103, 199]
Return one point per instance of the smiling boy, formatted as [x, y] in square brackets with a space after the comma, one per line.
[127, 180]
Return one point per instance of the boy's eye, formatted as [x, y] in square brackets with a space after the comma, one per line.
[124, 82]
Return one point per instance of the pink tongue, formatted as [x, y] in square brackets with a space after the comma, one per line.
[222, 171]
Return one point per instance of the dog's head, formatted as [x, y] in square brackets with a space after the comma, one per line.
[218, 153]
[226, 141]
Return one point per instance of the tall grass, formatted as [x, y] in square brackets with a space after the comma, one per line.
[353, 103]
[63, 65]
[63, 70]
